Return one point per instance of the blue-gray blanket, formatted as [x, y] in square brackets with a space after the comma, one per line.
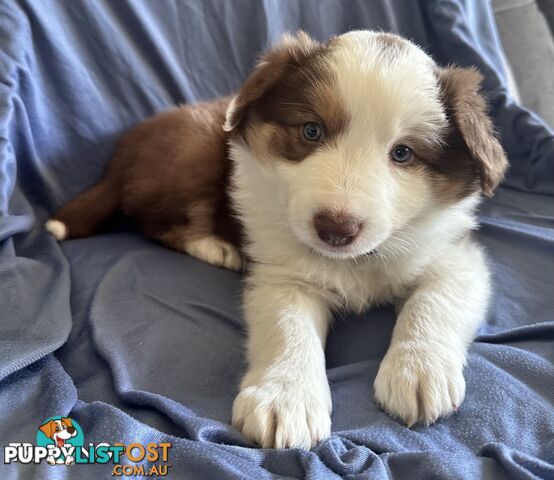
[141, 344]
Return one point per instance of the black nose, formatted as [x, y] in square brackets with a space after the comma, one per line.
[71, 430]
[336, 230]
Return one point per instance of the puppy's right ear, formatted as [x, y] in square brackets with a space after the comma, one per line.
[288, 53]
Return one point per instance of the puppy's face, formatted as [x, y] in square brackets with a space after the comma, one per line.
[362, 135]
[59, 430]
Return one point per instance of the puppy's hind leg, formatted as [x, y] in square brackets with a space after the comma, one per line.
[197, 238]
[215, 250]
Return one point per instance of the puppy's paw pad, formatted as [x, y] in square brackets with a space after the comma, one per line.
[215, 251]
[283, 415]
[419, 386]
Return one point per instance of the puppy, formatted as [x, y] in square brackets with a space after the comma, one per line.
[355, 169]
[59, 431]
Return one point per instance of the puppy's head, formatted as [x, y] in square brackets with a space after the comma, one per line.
[362, 135]
[59, 430]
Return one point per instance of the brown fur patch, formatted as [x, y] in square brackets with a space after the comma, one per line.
[163, 171]
[392, 42]
[450, 168]
[473, 153]
[290, 87]
[286, 109]
[270, 70]
[470, 158]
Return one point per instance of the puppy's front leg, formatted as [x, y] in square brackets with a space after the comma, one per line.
[420, 378]
[284, 399]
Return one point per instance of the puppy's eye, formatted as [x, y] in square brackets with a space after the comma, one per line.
[312, 131]
[401, 153]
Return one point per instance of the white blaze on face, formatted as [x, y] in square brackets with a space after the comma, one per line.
[61, 434]
[388, 88]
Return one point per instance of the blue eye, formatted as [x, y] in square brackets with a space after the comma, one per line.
[401, 153]
[312, 131]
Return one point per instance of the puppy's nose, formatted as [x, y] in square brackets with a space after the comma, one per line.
[70, 430]
[336, 230]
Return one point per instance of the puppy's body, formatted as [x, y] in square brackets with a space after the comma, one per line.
[356, 169]
[170, 174]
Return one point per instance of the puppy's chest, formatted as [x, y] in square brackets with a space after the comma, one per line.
[357, 287]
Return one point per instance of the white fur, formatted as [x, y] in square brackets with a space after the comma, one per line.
[215, 251]
[419, 260]
[228, 126]
[285, 399]
[57, 228]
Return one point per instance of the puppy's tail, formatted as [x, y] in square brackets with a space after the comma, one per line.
[85, 215]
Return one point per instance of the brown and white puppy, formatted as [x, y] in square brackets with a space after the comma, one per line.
[357, 166]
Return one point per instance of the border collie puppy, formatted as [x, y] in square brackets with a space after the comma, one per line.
[354, 168]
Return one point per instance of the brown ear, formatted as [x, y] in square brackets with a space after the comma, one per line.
[67, 421]
[467, 110]
[48, 428]
[288, 53]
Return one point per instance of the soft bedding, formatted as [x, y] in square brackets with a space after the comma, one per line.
[141, 344]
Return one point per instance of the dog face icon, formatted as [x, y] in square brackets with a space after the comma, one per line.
[59, 430]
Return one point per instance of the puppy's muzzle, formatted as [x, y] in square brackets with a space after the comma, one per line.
[337, 230]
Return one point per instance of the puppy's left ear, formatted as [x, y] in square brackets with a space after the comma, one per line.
[67, 421]
[467, 110]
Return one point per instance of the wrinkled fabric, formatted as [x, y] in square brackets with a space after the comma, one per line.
[140, 343]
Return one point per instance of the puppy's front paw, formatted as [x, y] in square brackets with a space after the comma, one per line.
[282, 414]
[69, 460]
[420, 385]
